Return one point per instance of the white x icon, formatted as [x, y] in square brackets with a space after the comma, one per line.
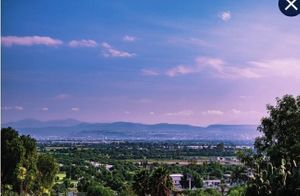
[291, 4]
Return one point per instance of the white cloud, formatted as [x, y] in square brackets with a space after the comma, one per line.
[219, 68]
[127, 112]
[109, 51]
[128, 38]
[19, 108]
[149, 72]
[75, 109]
[45, 109]
[213, 112]
[180, 113]
[82, 43]
[259, 69]
[249, 70]
[276, 67]
[201, 64]
[30, 41]
[151, 113]
[180, 70]
[225, 16]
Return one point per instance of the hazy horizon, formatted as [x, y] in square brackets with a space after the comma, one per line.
[196, 63]
[134, 122]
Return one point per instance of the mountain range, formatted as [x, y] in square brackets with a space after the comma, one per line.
[71, 128]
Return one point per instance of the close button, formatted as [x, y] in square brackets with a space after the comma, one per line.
[289, 7]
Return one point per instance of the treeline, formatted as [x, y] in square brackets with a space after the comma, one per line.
[137, 150]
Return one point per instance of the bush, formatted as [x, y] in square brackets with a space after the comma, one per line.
[99, 190]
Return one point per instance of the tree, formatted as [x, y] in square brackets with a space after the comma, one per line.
[276, 163]
[22, 171]
[196, 180]
[83, 184]
[238, 175]
[29, 162]
[59, 188]
[97, 190]
[141, 183]
[18, 160]
[127, 191]
[12, 154]
[160, 182]
[237, 191]
[206, 192]
[281, 131]
[47, 170]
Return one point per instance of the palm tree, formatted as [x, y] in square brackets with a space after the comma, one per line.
[160, 182]
[141, 183]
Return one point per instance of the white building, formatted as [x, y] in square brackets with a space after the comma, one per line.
[97, 165]
[176, 178]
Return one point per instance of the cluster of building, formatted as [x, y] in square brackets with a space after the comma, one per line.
[211, 183]
[97, 165]
[226, 160]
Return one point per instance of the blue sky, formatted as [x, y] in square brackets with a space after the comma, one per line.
[200, 62]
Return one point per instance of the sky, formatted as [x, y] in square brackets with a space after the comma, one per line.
[196, 62]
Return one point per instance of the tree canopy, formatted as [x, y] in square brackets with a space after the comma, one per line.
[22, 168]
[276, 162]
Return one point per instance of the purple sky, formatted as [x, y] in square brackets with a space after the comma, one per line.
[200, 63]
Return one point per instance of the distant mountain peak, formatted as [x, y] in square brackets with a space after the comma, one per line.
[70, 128]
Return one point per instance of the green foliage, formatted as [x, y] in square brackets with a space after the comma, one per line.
[20, 167]
[127, 191]
[141, 183]
[156, 183]
[204, 192]
[281, 131]
[239, 175]
[98, 190]
[160, 182]
[59, 188]
[47, 170]
[196, 180]
[84, 183]
[12, 155]
[276, 165]
[237, 191]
